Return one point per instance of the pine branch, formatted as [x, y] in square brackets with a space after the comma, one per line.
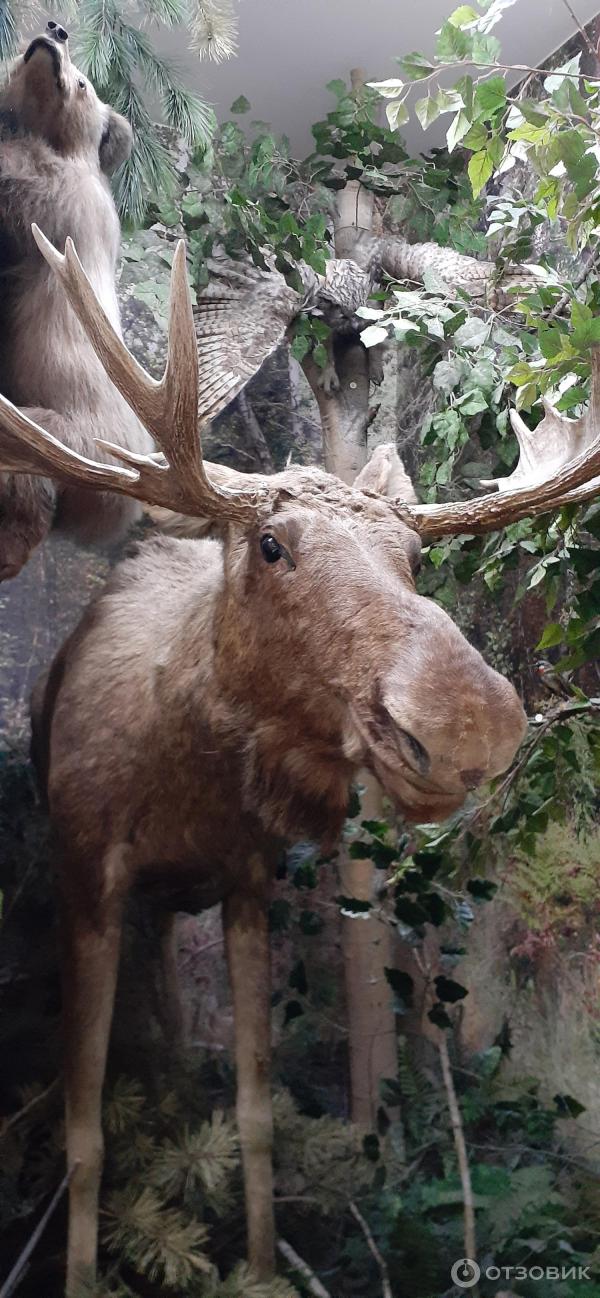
[214, 29]
[8, 30]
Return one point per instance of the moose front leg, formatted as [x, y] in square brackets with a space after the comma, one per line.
[245, 920]
[90, 957]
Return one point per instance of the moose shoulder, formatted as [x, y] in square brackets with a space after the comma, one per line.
[219, 697]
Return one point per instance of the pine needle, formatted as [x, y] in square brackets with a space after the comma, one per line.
[214, 29]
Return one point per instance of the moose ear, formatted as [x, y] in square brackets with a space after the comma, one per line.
[385, 474]
[116, 142]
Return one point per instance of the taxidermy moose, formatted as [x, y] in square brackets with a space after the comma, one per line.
[58, 144]
[218, 698]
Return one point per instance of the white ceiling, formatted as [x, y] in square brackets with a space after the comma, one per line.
[290, 49]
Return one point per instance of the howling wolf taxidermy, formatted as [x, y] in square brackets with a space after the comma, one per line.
[58, 145]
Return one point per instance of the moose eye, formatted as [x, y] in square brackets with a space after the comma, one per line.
[271, 548]
[416, 755]
[81, 83]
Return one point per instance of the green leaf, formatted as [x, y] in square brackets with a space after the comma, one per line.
[490, 97]
[338, 87]
[310, 923]
[300, 347]
[462, 16]
[568, 1107]
[427, 110]
[452, 44]
[415, 66]
[480, 169]
[553, 634]
[473, 333]
[396, 113]
[240, 105]
[389, 89]
[457, 129]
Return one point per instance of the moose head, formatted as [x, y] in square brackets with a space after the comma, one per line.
[321, 629]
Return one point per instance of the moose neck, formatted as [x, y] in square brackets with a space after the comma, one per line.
[296, 777]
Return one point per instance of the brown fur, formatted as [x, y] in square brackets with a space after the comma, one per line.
[58, 142]
[212, 705]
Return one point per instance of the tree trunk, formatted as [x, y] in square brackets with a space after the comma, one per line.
[366, 943]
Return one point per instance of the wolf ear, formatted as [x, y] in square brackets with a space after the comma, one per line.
[385, 474]
[116, 142]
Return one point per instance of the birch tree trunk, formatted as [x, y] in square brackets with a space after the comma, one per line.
[366, 942]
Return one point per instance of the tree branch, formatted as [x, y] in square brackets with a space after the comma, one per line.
[313, 1283]
[379, 1258]
[461, 1151]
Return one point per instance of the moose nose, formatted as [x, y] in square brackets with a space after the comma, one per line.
[472, 778]
[57, 33]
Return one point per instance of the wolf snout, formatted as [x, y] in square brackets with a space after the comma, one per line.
[57, 33]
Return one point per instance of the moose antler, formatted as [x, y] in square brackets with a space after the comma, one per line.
[559, 464]
[169, 408]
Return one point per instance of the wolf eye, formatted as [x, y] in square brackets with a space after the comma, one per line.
[271, 548]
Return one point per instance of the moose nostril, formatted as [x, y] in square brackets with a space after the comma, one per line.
[472, 778]
[51, 27]
[61, 34]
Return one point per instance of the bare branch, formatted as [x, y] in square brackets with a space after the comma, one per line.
[386, 1288]
[461, 1151]
[313, 1283]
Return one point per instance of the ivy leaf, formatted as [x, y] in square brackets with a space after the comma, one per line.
[293, 1010]
[353, 905]
[482, 889]
[473, 333]
[240, 105]
[568, 1107]
[373, 335]
[338, 88]
[401, 984]
[480, 169]
[448, 990]
[300, 346]
[438, 1015]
